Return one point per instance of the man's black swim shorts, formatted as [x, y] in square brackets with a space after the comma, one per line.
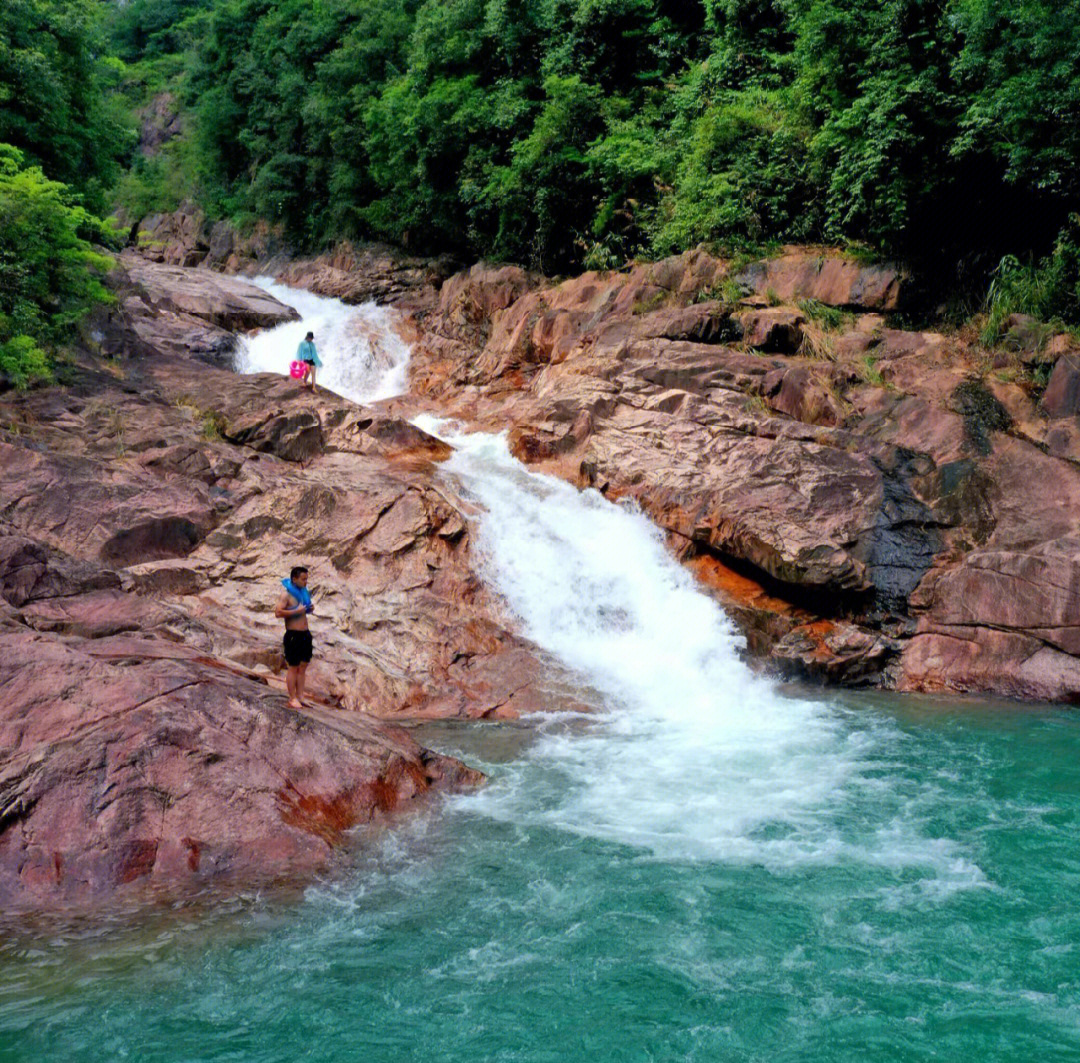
[297, 647]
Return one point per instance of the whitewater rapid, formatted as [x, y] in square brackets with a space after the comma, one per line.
[364, 359]
[689, 754]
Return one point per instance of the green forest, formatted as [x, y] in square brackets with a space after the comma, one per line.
[557, 133]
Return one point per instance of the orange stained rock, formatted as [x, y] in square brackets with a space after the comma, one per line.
[744, 590]
[819, 631]
[329, 817]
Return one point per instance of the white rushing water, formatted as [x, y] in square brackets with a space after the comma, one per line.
[363, 358]
[691, 755]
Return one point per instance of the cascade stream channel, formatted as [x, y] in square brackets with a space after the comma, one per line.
[708, 866]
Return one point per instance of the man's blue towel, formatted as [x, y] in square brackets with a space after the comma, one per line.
[301, 594]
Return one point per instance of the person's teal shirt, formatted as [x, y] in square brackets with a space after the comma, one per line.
[307, 353]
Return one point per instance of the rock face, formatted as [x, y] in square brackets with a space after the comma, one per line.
[870, 506]
[1062, 395]
[148, 511]
[172, 310]
[186, 237]
[213, 485]
[352, 273]
[133, 765]
[828, 277]
[160, 122]
[146, 743]
[773, 329]
[226, 302]
[358, 274]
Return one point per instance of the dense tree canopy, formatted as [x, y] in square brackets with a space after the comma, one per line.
[562, 131]
[55, 103]
[48, 267]
[63, 138]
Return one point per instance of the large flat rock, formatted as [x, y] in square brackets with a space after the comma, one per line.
[227, 302]
[133, 768]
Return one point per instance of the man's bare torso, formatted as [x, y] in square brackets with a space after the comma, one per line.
[292, 623]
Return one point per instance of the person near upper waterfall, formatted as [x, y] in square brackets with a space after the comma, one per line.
[293, 606]
[307, 354]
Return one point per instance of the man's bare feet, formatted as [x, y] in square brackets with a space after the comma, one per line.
[294, 704]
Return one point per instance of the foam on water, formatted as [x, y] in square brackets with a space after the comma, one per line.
[693, 755]
[363, 357]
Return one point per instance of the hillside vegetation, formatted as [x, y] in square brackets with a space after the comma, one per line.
[563, 131]
[570, 133]
[64, 136]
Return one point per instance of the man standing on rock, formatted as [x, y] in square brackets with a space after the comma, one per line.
[293, 607]
[307, 354]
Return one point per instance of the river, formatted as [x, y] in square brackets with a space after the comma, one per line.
[706, 867]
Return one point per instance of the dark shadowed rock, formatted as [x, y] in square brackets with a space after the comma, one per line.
[776, 328]
[708, 322]
[835, 652]
[982, 413]
[1062, 395]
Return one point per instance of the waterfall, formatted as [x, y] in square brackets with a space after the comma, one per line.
[690, 754]
[363, 358]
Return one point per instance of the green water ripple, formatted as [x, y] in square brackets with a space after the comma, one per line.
[464, 936]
